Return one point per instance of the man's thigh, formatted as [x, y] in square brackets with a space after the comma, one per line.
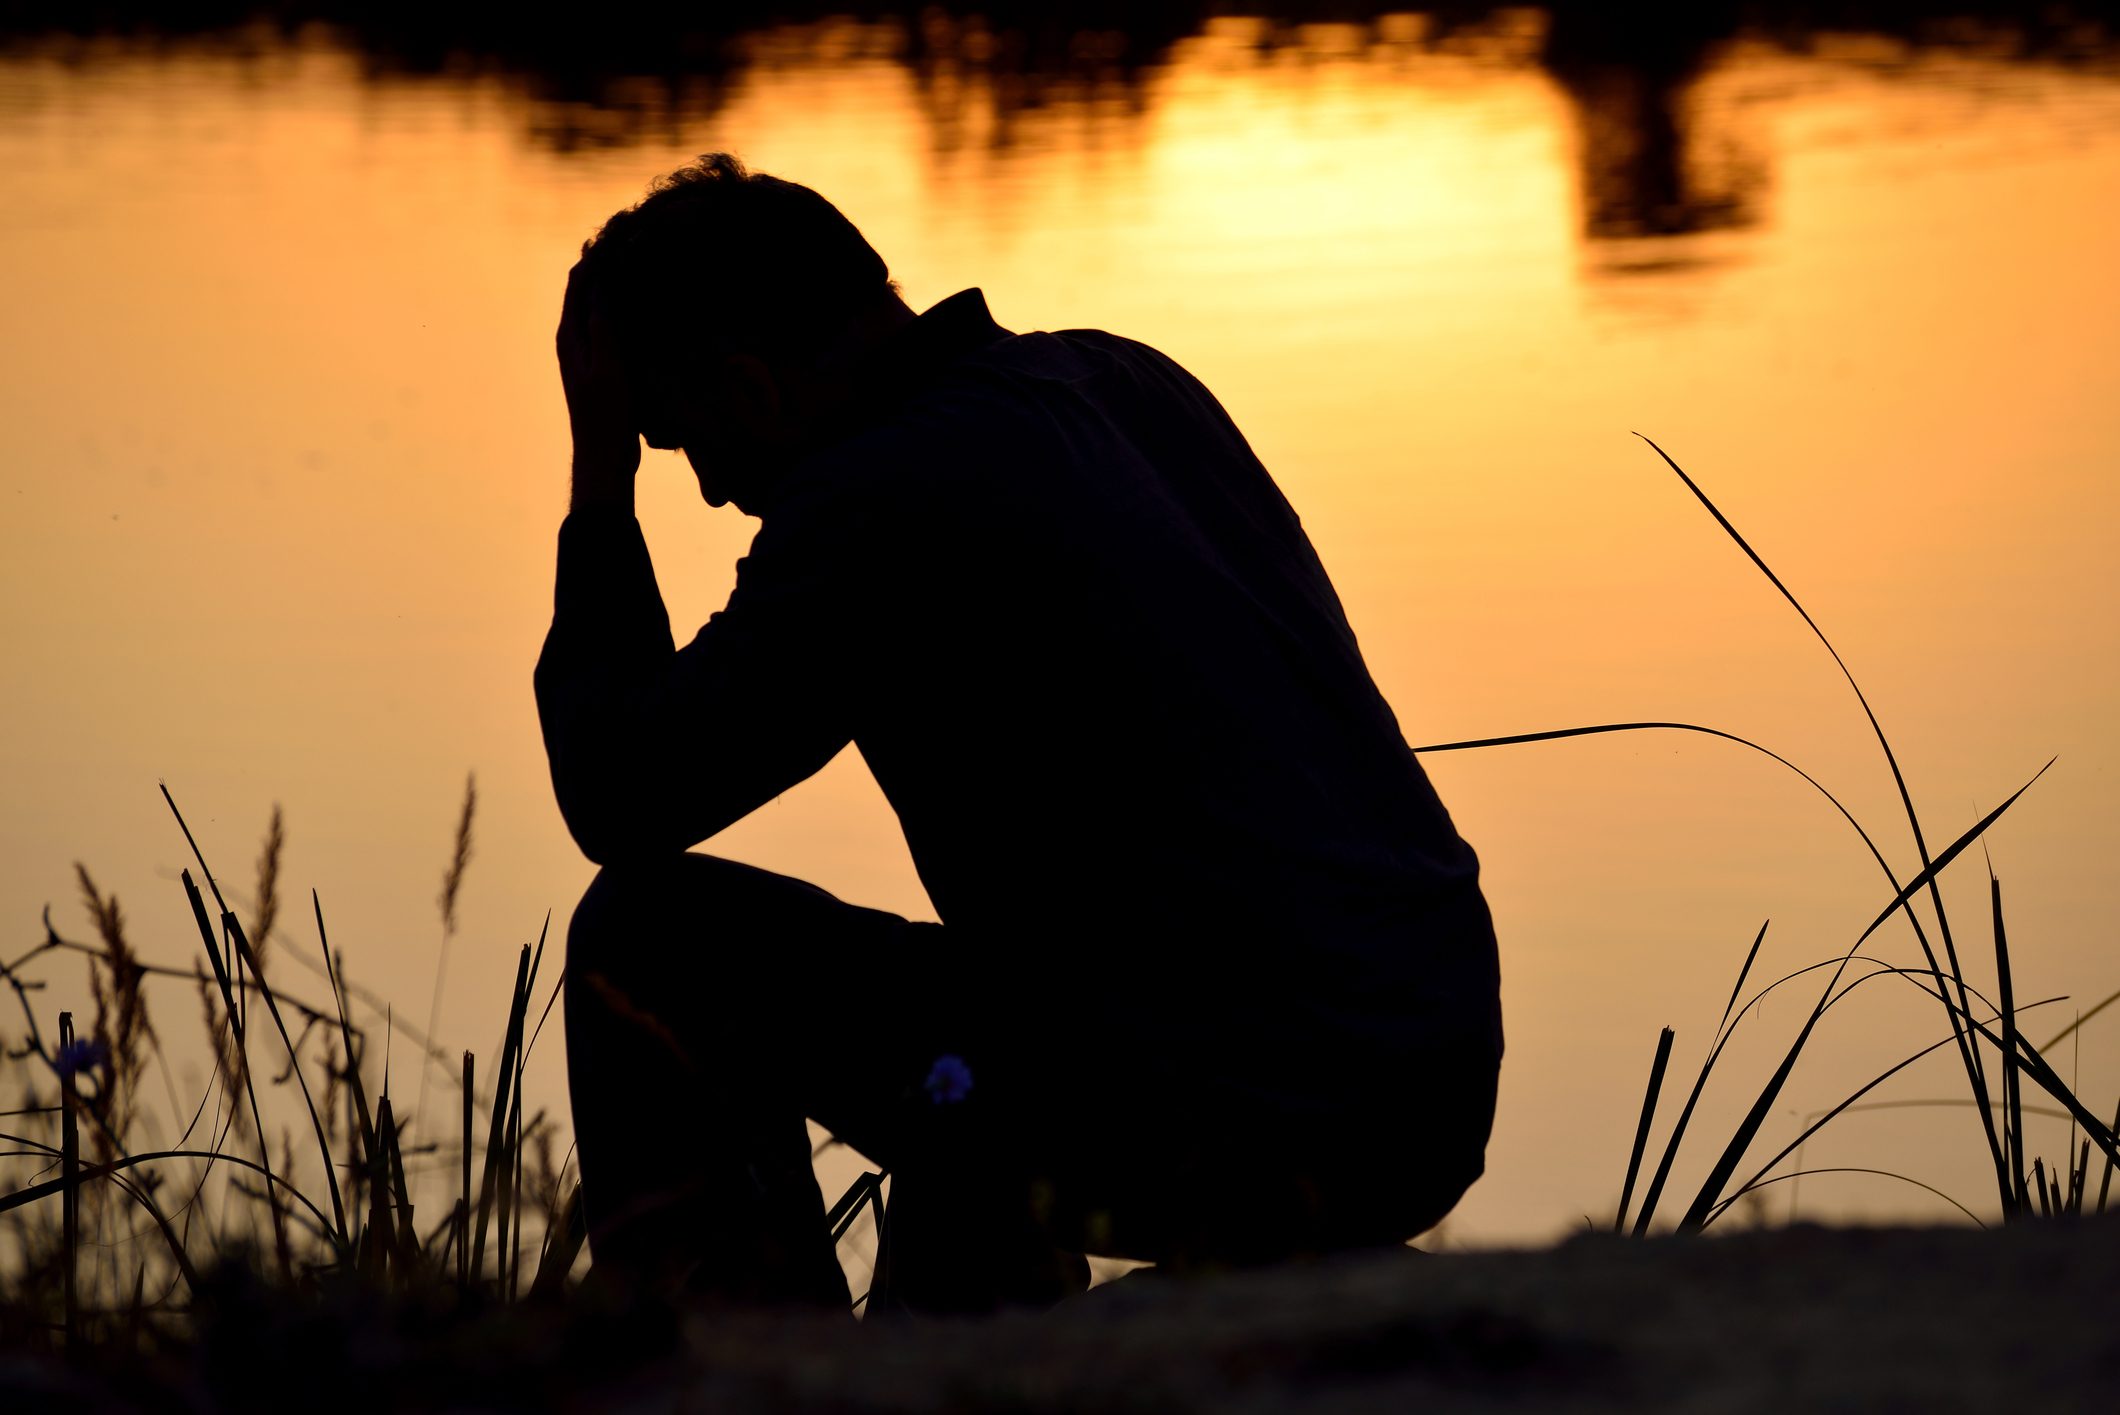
[771, 989]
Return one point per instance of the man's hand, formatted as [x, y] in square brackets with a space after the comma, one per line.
[599, 406]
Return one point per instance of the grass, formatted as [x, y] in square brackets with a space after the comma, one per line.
[220, 1195]
[115, 1246]
[2014, 1057]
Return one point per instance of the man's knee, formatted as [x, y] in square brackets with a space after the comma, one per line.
[657, 923]
[631, 907]
[621, 905]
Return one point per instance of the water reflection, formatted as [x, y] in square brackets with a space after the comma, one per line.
[1656, 159]
[1651, 162]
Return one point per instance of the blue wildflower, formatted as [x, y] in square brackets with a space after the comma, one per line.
[949, 1080]
[81, 1054]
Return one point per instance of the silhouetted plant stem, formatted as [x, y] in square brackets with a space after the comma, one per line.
[463, 1210]
[70, 1178]
[496, 1140]
[1641, 1130]
[1723, 1031]
[2013, 1097]
[272, 1009]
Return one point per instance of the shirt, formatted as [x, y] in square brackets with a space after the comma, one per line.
[1078, 635]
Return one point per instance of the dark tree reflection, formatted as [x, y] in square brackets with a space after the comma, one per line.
[1649, 164]
[1656, 160]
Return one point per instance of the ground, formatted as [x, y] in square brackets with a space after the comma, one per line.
[1798, 1319]
[1803, 1319]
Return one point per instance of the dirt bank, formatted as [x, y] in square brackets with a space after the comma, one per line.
[1798, 1319]
[1803, 1319]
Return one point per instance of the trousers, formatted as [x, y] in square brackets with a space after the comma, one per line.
[712, 1006]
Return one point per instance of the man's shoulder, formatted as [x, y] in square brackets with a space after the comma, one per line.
[995, 423]
[1069, 353]
[982, 407]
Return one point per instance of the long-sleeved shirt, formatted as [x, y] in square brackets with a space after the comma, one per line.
[1043, 584]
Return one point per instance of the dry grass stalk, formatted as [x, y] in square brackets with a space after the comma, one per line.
[122, 1026]
[452, 885]
[268, 910]
[453, 878]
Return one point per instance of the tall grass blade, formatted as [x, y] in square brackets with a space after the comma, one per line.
[206, 936]
[2042, 1073]
[552, 997]
[512, 1201]
[1641, 1129]
[407, 1251]
[1930, 871]
[1969, 1054]
[1853, 1169]
[219, 903]
[843, 1213]
[357, 1094]
[1737, 988]
[2012, 1091]
[31, 1193]
[228, 971]
[463, 1243]
[1884, 866]
[1700, 1083]
[381, 1237]
[503, 1203]
[563, 1244]
[1825, 1119]
[1697, 1215]
[2105, 1184]
[1707, 1203]
[272, 1009]
[70, 1178]
[515, 1192]
[2072, 1028]
[496, 1141]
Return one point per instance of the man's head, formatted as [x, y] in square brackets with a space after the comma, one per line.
[736, 299]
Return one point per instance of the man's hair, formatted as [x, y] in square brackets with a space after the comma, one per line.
[725, 260]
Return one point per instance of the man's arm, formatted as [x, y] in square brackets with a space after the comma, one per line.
[652, 749]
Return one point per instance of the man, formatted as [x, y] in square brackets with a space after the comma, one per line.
[1214, 981]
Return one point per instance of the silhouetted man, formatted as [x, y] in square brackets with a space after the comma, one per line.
[1214, 981]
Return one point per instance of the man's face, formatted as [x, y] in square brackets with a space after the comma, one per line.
[727, 423]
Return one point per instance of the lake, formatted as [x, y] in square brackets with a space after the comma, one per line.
[284, 454]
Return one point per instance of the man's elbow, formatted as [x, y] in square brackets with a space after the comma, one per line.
[598, 844]
[609, 824]
[619, 816]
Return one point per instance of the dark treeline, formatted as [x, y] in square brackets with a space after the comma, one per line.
[616, 72]
[563, 44]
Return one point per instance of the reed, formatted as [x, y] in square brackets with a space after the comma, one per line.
[1947, 984]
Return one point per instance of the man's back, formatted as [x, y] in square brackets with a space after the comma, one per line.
[1100, 674]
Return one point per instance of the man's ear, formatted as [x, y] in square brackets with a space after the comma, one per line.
[750, 396]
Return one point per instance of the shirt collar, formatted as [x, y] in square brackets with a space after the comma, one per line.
[944, 333]
[914, 355]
